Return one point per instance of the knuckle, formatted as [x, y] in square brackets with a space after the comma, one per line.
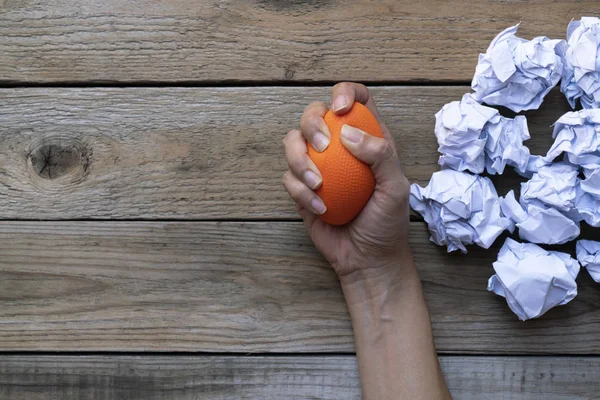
[297, 163]
[351, 86]
[308, 107]
[389, 151]
[343, 86]
[362, 87]
[312, 122]
[293, 133]
[398, 190]
[291, 136]
[305, 123]
[312, 107]
[320, 105]
[384, 149]
[285, 179]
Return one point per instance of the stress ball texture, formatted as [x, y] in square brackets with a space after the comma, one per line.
[348, 183]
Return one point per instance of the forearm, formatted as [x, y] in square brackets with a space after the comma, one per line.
[394, 342]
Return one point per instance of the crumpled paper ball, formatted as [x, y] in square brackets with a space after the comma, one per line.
[472, 137]
[588, 254]
[532, 279]
[518, 73]
[581, 76]
[587, 201]
[539, 223]
[460, 209]
[546, 212]
[577, 134]
[554, 184]
[505, 146]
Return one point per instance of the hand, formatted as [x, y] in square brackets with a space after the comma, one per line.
[370, 255]
[378, 236]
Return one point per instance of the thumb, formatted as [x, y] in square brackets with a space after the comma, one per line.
[378, 153]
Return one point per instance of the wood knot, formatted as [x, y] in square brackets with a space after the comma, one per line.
[289, 72]
[56, 158]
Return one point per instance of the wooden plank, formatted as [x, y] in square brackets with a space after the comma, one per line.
[242, 287]
[315, 377]
[262, 40]
[189, 153]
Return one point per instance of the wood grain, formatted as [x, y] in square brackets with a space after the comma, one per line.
[189, 153]
[262, 40]
[275, 378]
[242, 287]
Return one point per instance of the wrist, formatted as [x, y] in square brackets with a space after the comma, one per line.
[372, 281]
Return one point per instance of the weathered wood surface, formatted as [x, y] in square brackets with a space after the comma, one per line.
[262, 40]
[189, 153]
[275, 378]
[241, 287]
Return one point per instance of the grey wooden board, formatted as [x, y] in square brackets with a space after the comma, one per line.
[32, 377]
[190, 153]
[262, 40]
[242, 287]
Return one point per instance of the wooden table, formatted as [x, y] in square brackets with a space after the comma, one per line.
[147, 248]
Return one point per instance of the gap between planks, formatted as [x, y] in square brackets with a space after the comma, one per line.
[219, 84]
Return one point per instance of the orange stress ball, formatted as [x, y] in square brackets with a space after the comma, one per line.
[348, 183]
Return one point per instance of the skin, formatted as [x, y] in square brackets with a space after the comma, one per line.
[371, 255]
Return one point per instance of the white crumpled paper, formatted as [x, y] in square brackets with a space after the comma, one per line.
[460, 209]
[588, 197]
[588, 254]
[546, 212]
[588, 208]
[539, 223]
[459, 128]
[591, 183]
[504, 146]
[532, 279]
[577, 134]
[581, 77]
[554, 185]
[518, 73]
[472, 136]
[533, 165]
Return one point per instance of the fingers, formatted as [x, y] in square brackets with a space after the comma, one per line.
[313, 126]
[346, 93]
[299, 162]
[302, 194]
[379, 153]
[303, 176]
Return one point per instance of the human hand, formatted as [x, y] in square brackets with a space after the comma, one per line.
[377, 239]
[370, 255]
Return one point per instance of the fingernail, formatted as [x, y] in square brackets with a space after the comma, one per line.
[320, 141]
[339, 103]
[318, 206]
[351, 134]
[312, 180]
